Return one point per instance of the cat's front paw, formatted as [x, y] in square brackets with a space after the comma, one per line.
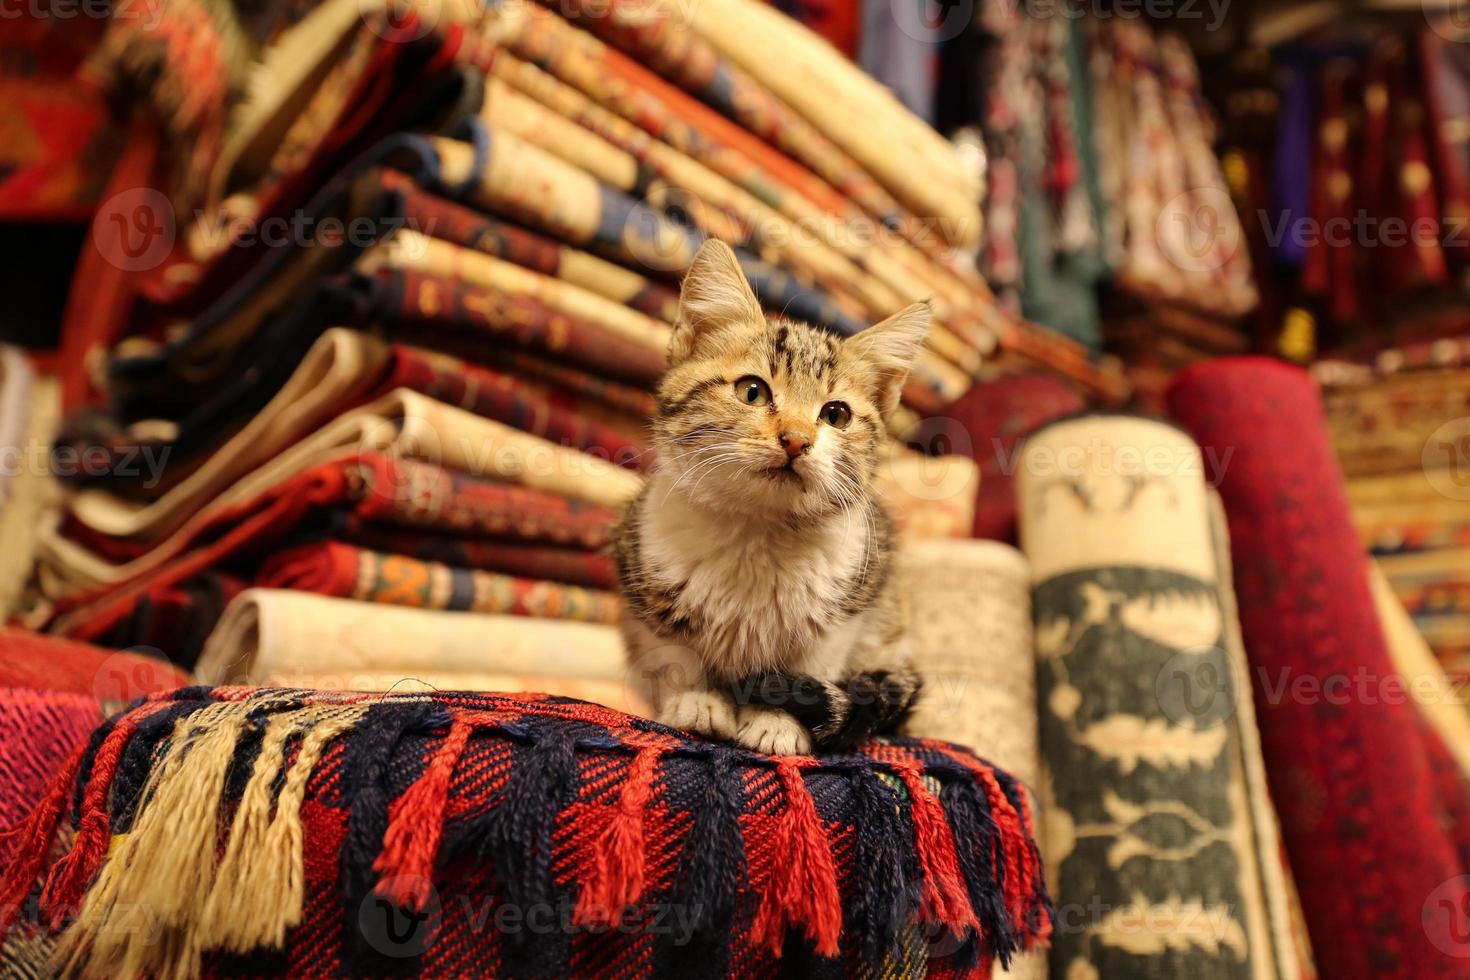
[703, 712]
[773, 732]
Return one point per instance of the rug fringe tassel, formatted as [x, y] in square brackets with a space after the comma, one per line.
[24, 846]
[165, 877]
[884, 896]
[805, 890]
[242, 887]
[518, 832]
[67, 883]
[164, 865]
[416, 826]
[1035, 902]
[1016, 877]
[942, 893]
[618, 866]
[712, 862]
[281, 860]
[1018, 864]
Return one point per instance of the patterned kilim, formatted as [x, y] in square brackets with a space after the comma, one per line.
[1148, 788]
[420, 305]
[473, 229]
[370, 488]
[574, 566]
[508, 399]
[333, 568]
[270, 830]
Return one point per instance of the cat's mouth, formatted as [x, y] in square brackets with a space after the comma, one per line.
[783, 474]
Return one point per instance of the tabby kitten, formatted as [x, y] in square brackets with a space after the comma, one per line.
[756, 564]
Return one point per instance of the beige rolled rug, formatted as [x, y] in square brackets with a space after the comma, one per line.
[971, 623]
[1157, 830]
[282, 638]
[32, 494]
[417, 252]
[1440, 701]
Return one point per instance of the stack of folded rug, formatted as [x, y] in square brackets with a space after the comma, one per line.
[390, 336]
[1401, 429]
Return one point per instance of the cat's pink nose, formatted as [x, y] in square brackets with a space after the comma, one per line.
[795, 443]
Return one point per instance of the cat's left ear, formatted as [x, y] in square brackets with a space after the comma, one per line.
[890, 347]
[713, 298]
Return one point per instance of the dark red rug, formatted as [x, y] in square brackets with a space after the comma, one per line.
[1369, 836]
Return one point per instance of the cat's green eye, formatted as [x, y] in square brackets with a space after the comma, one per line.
[837, 415]
[753, 391]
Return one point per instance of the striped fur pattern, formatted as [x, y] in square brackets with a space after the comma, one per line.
[757, 548]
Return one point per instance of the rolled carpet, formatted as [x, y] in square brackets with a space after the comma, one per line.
[267, 636]
[971, 629]
[331, 568]
[995, 416]
[370, 834]
[1364, 825]
[1152, 839]
[51, 663]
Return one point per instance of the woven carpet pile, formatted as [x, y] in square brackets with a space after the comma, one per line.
[267, 830]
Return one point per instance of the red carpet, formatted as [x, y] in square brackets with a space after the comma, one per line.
[1368, 836]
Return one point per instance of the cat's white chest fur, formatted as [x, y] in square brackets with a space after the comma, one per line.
[764, 594]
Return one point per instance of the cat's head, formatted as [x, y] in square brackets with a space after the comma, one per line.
[774, 415]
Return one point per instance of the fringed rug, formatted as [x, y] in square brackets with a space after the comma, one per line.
[269, 831]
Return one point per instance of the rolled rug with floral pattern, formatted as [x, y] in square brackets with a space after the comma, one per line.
[1150, 812]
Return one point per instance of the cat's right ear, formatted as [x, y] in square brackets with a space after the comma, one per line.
[714, 295]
